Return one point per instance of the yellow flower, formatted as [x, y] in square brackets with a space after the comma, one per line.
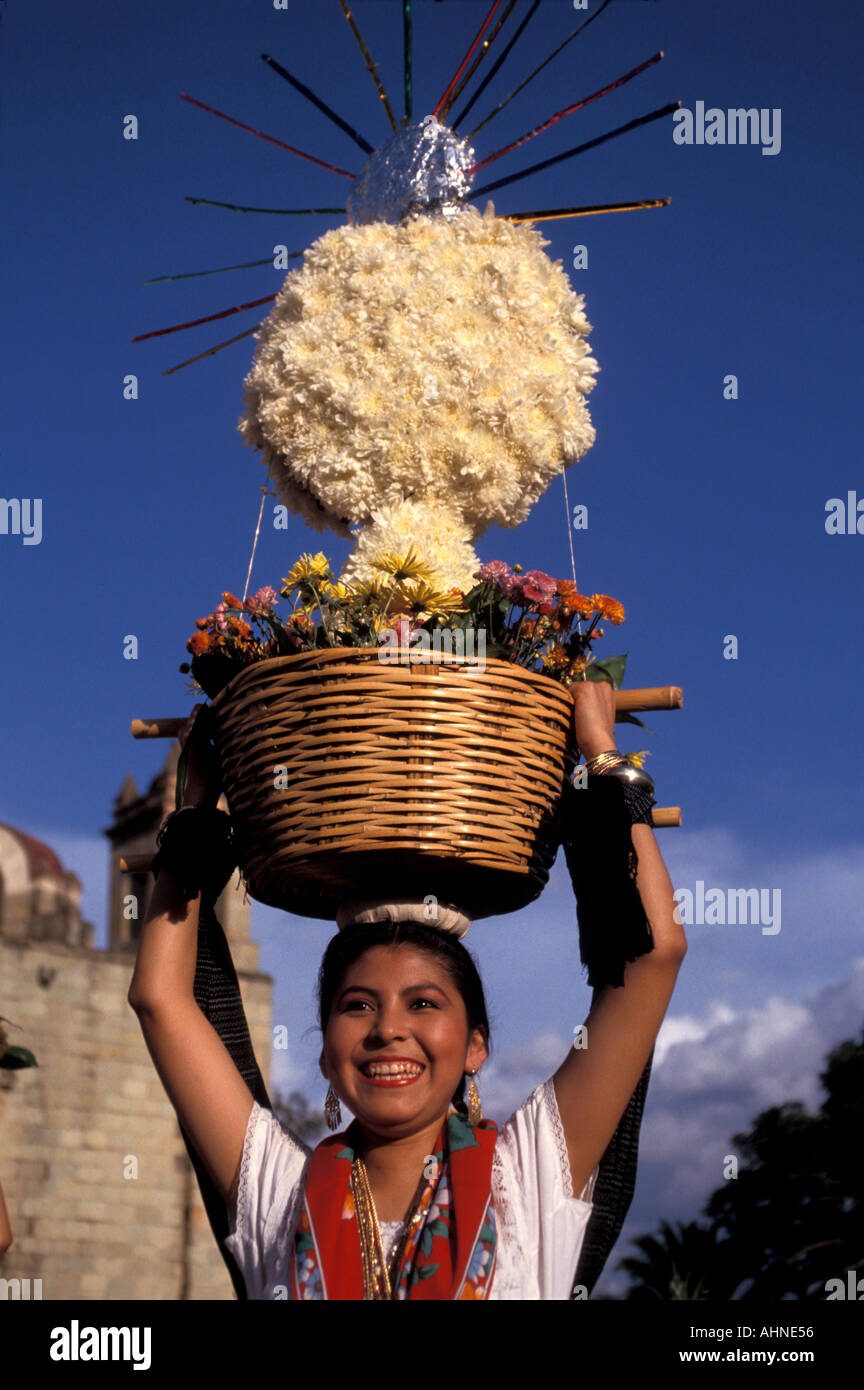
[370, 592]
[402, 567]
[423, 598]
[308, 567]
[335, 593]
[638, 759]
[309, 573]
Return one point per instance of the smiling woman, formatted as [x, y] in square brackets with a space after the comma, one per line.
[420, 1197]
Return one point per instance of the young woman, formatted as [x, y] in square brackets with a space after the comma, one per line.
[416, 1199]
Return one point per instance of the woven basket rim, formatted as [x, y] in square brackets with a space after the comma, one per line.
[330, 653]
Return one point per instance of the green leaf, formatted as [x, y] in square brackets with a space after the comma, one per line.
[628, 718]
[610, 668]
[16, 1057]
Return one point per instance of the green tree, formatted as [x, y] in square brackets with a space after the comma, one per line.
[675, 1264]
[295, 1113]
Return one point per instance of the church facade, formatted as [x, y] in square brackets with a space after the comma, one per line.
[101, 1195]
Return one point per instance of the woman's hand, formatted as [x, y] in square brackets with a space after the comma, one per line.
[593, 717]
[203, 784]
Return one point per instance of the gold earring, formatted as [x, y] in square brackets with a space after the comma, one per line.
[332, 1110]
[475, 1109]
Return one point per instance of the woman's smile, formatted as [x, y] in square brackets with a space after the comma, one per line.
[392, 1071]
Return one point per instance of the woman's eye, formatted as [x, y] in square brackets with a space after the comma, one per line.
[430, 1002]
[356, 1004]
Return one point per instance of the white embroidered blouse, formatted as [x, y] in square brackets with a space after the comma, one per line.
[541, 1225]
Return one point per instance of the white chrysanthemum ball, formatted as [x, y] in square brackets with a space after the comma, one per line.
[437, 537]
[442, 360]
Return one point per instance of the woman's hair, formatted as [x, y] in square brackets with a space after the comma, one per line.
[354, 941]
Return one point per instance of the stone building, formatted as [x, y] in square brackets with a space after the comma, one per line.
[102, 1198]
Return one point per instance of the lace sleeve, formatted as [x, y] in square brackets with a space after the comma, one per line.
[540, 1218]
[268, 1185]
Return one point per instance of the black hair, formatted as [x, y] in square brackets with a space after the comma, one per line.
[349, 945]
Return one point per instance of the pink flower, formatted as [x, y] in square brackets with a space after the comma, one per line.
[403, 628]
[265, 598]
[534, 587]
[495, 572]
[218, 614]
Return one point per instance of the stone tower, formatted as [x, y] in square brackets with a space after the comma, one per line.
[102, 1198]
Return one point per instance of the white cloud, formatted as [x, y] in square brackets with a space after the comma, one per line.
[712, 1076]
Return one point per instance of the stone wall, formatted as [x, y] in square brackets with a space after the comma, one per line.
[76, 1130]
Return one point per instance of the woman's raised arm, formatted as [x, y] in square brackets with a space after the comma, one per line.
[212, 1101]
[595, 1082]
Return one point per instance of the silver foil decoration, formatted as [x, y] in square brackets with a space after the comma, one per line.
[422, 170]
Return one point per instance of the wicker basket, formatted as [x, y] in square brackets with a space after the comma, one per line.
[438, 778]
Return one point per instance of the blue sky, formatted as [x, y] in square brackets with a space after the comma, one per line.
[706, 515]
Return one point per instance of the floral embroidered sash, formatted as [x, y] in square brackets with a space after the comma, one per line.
[450, 1249]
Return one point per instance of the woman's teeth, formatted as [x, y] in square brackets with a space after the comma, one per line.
[382, 1070]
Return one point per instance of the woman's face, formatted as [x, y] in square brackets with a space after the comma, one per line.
[397, 1041]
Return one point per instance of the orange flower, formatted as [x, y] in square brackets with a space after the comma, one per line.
[609, 608]
[199, 643]
[574, 602]
[238, 628]
[232, 600]
[556, 658]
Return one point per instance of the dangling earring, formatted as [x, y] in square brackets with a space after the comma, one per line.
[475, 1109]
[332, 1111]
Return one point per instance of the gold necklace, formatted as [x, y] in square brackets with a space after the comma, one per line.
[376, 1278]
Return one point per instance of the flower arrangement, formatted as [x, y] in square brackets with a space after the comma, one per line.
[527, 617]
[442, 360]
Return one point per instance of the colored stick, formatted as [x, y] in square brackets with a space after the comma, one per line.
[316, 101]
[313, 159]
[407, 46]
[282, 212]
[370, 64]
[567, 111]
[484, 49]
[497, 65]
[524, 83]
[552, 214]
[209, 318]
[578, 149]
[210, 351]
[220, 270]
[465, 61]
